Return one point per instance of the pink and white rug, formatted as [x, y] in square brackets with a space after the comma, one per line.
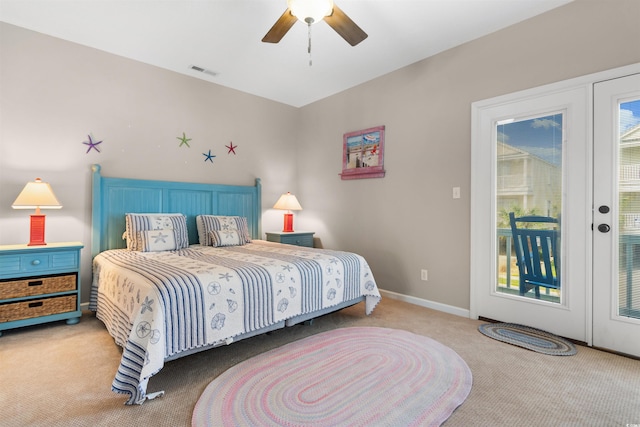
[361, 376]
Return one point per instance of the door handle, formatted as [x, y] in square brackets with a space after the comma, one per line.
[604, 228]
[603, 209]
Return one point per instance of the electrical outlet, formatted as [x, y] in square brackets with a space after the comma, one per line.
[424, 275]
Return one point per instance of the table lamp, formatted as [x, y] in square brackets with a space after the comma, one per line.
[37, 195]
[290, 203]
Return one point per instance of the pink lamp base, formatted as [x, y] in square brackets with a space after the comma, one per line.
[36, 234]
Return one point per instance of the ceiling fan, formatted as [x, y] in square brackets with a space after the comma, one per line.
[310, 12]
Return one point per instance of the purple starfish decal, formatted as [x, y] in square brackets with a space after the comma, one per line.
[92, 144]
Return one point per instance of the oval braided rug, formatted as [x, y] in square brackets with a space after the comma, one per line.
[352, 376]
[529, 338]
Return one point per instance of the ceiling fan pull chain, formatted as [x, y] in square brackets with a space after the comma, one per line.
[309, 48]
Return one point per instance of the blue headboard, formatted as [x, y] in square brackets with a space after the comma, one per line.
[114, 197]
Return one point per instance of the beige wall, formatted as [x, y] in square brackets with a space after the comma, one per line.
[408, 220]
[52, 93]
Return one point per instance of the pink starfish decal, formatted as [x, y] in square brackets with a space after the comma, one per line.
[232, 148]
[92, 144]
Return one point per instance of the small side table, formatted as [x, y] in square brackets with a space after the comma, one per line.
[298, 238]
[39, 284]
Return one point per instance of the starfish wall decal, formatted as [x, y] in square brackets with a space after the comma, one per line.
[232, 148]
[184, 140]
[92, 144]
[209, 157]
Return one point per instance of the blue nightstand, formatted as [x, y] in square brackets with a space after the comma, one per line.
[39, 284]
[298, 238]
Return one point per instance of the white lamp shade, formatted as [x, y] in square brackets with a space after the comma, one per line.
[36, 195]
[313, 10]
[288, 202]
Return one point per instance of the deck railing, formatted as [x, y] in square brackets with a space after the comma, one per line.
[506, 233]
[629, 270]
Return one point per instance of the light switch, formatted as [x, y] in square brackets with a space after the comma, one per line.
[456, 192]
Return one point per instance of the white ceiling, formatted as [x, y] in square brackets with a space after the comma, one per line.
[224, 36]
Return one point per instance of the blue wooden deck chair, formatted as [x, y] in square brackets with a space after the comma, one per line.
[536, 252]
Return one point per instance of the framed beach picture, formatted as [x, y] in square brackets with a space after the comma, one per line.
[363, 154]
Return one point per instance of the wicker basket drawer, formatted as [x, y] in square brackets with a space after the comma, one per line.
[36, 308]
[37, 286]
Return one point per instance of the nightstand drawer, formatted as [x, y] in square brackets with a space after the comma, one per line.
[299, 240]
[39, 262]
[37, 286]
[37, 308]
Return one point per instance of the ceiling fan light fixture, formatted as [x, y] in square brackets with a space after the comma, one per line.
[310, 11]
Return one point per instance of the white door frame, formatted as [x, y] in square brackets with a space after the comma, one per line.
[481, 268]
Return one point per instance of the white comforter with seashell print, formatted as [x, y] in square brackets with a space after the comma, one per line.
[157, 305]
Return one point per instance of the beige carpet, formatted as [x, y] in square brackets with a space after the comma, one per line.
[60, 375]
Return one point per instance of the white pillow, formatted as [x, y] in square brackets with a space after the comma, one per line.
[158, 240]
[208, 223]
[137, 223]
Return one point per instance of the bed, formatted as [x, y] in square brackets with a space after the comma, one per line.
[180, 267]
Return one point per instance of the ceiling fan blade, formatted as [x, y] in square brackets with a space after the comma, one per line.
[280, 28]
[344, 26]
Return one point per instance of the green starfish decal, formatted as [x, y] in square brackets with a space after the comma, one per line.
[184, 140]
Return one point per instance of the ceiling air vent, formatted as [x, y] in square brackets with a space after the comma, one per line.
[203, 70]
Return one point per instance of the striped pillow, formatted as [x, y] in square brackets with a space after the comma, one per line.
[208, 223]
[138, 223]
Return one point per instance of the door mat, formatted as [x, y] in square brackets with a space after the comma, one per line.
[529, 338]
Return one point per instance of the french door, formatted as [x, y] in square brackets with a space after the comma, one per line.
[531, 157]
[586, 175]
[616, 238]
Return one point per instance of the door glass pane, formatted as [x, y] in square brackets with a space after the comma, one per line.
[629, 205]
[529, 183]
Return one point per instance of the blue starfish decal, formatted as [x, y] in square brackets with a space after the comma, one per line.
[209, 157]
[92, 144]
[184, 140]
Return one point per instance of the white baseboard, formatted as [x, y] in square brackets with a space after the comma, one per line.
[426, 303]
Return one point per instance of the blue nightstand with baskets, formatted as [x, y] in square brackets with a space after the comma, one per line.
[39, 284]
